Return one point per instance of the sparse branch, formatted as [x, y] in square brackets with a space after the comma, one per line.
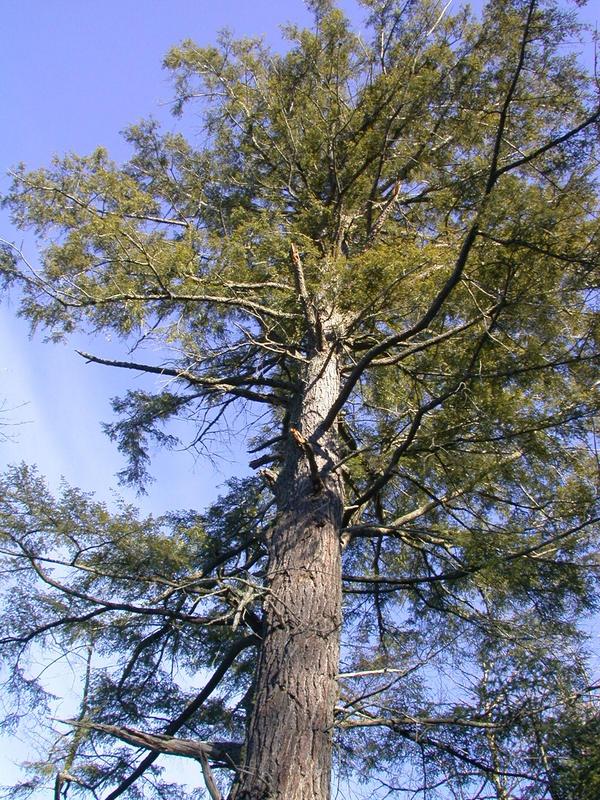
[225, 754]
[393, 527]
[72, 619]
[103, 604]
[388, 473]
[142, 645]
[536, 248]
[209, 779]
[433, 340]
[71, 300]
[550, 145]
[547, 544]
[413, 733]
[418, 720]
[233, 385]
[383, 580]
[188, 712]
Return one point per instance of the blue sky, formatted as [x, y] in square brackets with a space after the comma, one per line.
[73, 74]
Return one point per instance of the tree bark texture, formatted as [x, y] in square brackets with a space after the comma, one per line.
[289, 742]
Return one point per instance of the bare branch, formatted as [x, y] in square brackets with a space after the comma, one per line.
[187, 712]
[227, 384]
[226, 754]
[310, 311]
[209, 780]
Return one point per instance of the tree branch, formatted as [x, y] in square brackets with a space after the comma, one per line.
[550, 145]
[227, 385]
[460, 263]
[392, 527]
[188, 711]
[257, 309]
[209, 780]
[310, 312]
[494, 173]
[225, 754]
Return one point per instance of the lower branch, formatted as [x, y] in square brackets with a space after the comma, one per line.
[225, 754]
[209, 779]
[187, 712]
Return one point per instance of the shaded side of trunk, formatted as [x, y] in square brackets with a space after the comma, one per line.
[289, 744]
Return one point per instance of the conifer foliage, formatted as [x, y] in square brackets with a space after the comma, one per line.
[385, 247]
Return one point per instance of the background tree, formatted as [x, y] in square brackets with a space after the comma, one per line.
[386, 249]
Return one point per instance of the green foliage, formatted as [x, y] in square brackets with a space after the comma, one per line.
[421, 198]
[577, 768]
[150, 598]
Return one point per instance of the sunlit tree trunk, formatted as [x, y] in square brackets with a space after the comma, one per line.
[289, 743]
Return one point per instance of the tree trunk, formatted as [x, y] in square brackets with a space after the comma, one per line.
[289, 742]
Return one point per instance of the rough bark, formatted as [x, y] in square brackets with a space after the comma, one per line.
[289, 742]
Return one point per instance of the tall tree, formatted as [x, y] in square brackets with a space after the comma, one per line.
[387, 245]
